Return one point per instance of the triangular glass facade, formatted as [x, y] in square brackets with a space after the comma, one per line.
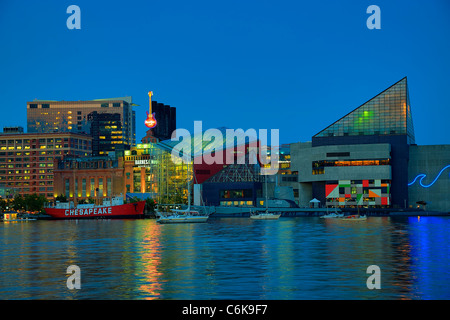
[388, 113]
[238, 173]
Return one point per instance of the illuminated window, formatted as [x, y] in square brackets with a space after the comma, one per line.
[385, 114]
[318, 166]
[83, 188]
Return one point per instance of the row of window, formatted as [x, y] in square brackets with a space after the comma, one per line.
[19, 183]
[318, 167]
[28, 172]
[347, 163]
[238, 193]
[40, 189]
[236, 203]
[57, 146]
[369, 182]
[47, 106]
[89, 191]
[88, 164]
[25, 165]
[34, 153]
[43, 141]
[106, 105]
[43, 105]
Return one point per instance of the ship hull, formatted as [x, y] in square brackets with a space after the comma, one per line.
[181, 219]
[123, 211]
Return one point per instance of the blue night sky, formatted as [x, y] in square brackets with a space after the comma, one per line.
[292, 65]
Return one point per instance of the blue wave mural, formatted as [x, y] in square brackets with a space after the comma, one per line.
[422, 176]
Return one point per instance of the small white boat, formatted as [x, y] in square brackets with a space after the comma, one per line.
[354, 217]
[332, 215]
[265, 216]
[182, 216]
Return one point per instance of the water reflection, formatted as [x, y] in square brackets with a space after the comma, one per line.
[429, 239]
[291, 258]
[150, 282]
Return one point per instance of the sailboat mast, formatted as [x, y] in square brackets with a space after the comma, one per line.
[188, 187]
[267, 205]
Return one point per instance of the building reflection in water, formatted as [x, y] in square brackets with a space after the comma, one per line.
[277, 254]
[150, 261]
[291, 258]
[354, 246]
[430, 248]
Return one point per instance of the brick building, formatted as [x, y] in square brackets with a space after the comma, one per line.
[88, 177]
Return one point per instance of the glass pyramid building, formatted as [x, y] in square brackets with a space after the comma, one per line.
[388, 113]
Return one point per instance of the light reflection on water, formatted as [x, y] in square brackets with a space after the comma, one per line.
[229, 258]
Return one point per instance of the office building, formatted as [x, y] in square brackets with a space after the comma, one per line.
[165, 116]
[44, 116]
[107, 134]
[27, 159]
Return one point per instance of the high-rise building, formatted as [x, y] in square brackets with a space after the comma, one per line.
[27, 159]
[166, 120]
[44, 116]
[107, 134]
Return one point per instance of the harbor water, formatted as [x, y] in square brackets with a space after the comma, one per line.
[228, 258]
